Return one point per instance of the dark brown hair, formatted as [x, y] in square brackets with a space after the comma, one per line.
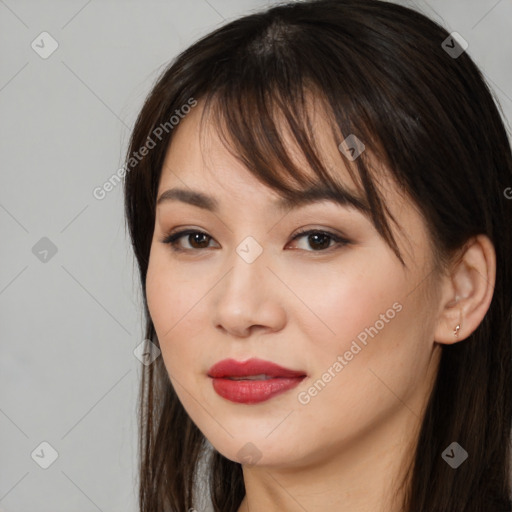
[383, 75]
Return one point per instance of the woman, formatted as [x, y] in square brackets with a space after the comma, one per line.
[319, 213]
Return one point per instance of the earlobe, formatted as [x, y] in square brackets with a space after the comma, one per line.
[467, 292]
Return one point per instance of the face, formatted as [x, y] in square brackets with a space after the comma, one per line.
[342, 312]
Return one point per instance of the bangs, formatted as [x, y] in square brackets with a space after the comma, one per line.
[259, 126]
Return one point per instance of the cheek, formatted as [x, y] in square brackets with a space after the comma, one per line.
[365, 334]
[174, 303]
[169, 293]
[350, 302]
[376, 360]
[355, 385]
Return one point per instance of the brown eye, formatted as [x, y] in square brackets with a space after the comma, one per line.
[320, 240]
[199, 239]
[196, 239]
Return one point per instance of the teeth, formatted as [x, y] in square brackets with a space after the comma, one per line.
[252, 377]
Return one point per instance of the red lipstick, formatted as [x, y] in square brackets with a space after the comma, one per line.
[252, 381]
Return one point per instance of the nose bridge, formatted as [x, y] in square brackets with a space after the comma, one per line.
[248, 267]
[249, 250]
[243, 299]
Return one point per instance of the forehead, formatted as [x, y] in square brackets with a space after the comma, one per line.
[201, 147]
[199, 167]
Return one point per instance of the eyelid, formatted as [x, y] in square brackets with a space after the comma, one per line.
[335, 235]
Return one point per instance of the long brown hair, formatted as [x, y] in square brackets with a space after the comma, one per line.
[384, 74]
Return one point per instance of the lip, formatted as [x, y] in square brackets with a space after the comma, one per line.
[252, 391]
[253, 366]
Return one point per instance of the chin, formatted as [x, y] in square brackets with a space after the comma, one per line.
[257, 452]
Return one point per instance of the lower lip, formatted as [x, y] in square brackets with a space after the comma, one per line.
[253, 391]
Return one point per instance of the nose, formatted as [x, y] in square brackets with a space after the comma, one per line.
[249, 298]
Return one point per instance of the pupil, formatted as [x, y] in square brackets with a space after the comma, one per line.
[198, 235]
[325, 237]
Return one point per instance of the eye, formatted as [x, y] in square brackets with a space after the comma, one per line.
[321, 239]
[197, 239]
[200, 240]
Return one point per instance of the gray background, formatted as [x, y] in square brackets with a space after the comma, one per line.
[69, 324]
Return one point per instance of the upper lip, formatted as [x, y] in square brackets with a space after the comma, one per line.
[251, 367]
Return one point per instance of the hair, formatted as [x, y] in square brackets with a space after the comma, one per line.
[381, 73]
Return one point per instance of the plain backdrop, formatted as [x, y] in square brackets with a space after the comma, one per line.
[70, 307]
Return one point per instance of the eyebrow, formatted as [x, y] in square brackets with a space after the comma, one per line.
[310, 196]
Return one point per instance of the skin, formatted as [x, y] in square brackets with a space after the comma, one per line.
[302, 307]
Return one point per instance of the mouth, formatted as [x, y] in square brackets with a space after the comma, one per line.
[251, 369]
[252, 377]
[252, 381]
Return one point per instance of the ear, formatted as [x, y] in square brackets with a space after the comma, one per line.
[467, 291]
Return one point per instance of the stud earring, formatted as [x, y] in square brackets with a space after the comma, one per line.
[457, 328]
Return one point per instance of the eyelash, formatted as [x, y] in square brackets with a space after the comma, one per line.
[173, 238]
